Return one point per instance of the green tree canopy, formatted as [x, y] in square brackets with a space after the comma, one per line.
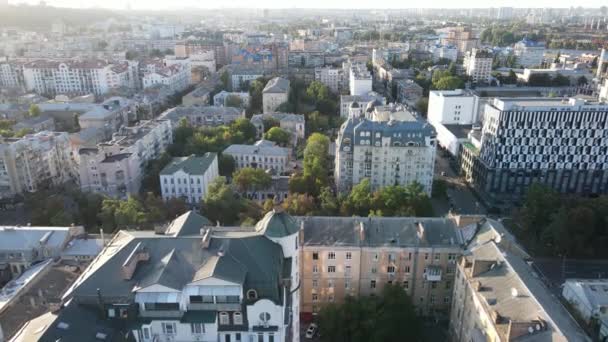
[251, 179]
[278, 135]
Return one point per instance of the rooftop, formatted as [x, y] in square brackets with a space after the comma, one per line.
[192, 165]
[277, 85]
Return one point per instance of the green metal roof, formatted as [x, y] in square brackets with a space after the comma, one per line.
[277, 224]
[191, 165]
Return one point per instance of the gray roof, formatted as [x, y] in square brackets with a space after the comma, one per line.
[28, 238]
[402, 132]
[83, 247]
[277, 85]
[380, 231]
[191, 165]
[257, 149]
[174, 114]
[281, 117]
[277, 224]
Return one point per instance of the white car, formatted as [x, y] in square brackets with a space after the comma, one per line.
[312, 330]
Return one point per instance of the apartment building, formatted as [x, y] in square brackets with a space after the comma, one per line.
[78, 77]
[187, 48]
[478, 65]
[203, 116]
[293, 123]
[174, 73]
[35, 162]
[498, 296]
[388, 147]
[275, 93]
[362, 100]
[461, 37]
[358, 256]
[109, 116]
[263, 154]
[189, 177]
[408, 91]
[115, 168]
[444, 52]
[529, 53]
[220, 99]
[190, 281]
[555, 142]
[334, 78]
[359, 79]
[11, 75]
[305, 59]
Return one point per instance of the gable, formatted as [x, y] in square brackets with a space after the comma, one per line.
[213, 281]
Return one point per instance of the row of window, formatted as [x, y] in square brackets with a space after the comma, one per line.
[390, 256]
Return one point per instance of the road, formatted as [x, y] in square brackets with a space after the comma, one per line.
[460, 198]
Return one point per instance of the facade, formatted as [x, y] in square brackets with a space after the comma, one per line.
[189, 177]
[385, 150]
[11, 75]
[109, 116]
[549, 141]
[220, 98]
[478, 65]
[453, 107]
[177, 74]
[293, 123]
[362, 100]
[203, 116]
[408, 91]
[116, 168]
[359, 80]
[603, 96]
[444, 52]
[462, 38]
[275, 93]
[263, 154]
[76, 77]
[498, 296]
[358, 256]
[35, 162]
[529, 53]
[192, 281]
[333, 78]
[306, 59]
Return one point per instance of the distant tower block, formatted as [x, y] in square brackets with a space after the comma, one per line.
[602, 64]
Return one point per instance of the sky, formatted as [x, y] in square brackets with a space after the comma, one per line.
[176, 4]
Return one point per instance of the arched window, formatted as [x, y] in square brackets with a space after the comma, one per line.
[224, 318]
[265, 317]
[252, 294]
[237, 318]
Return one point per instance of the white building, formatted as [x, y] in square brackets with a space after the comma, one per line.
[203, 116]
[333, 78]
[35, 162]
[478, 65]
[189, 177]
[387, 152]
[175, 73]
[589, 297]
[362, 100]
[453, 107]
[77, 77]
[360, 79]
[220, 98]
[263, 154]
[293, 123]
[115, 168]
[529, 53]
[275, 93]
[444, 51]
[11, 75]
[192, 281]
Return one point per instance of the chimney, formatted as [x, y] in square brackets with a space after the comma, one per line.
[139, 253]
[361, 232]
[420, 231]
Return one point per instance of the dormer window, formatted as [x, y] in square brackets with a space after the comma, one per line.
[237, 318]
[224, 318]
[252, 294]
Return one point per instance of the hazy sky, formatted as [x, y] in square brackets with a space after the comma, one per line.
[164, 4]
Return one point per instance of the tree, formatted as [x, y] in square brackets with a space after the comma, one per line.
[255, 92]
[245, 127]
[226, 165]
[449, 83]
[34, 111]
[299, 204]
[316, 161]
[225, 79]
[221, 203]
[422, 106]
[359, 200]
[233, 101]
[251, 179]
[278, 135]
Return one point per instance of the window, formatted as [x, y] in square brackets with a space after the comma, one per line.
[376, 257]
[409, 256]
[330, 298]
[434, 285]
[347, 269]
[146, 332]
[448, 284]
[315, 297]
[315, 269]
[374, 270]
[348, 256]
[446, 299]
[237, 317]
[252, 294]
[347, 284]
[197, 328]
[331, 269]
[406, 284]
[315, 283]
[451, 257]
[331, 256]
[391, 257]
[437, 256]
[390, 269]
[426, 256]
[196, 299]
[237, 337]
[224, 319]
[270, 337]
[168, 328]
[330, 283]
[111, 313]
[161, 306]
[315, 255]
[372, 284]
[260, 337]
[432, 299]
[406, 269]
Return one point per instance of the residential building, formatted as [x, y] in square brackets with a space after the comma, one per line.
[192, 281]
[243, 74]
[293, 123]
[461, 37]
[78, 77]
[603, 96]
[478, 65]
[358, 256]
[359, 80]
[388, 148]
[362, 100]
[529, 53]
[333, 78]
[572, 73]
[588, 297]
[278, 190]
[176, 74]
[550, 141]
[115, 168]
[199, 96]
[305, 59]
[36, 124]
[109, 116]
[191, 47]
[11, 75]
[220, 98]
[498, 296]
[602, 65]
[189, 177]
[35, 162]
[444, 52]
[263, 154]
[408, 91]
[203, 116]
[275, 93]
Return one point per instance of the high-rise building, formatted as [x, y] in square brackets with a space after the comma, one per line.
[462, 38]
[360, 79]
[334, 78]
[478, 65]
[389, 146]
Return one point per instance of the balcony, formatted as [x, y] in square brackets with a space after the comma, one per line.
[432, 273]
[215, 306]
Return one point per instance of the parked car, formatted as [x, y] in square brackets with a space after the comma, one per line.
[312, 330]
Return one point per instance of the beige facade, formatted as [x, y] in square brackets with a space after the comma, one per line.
[363, 260]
